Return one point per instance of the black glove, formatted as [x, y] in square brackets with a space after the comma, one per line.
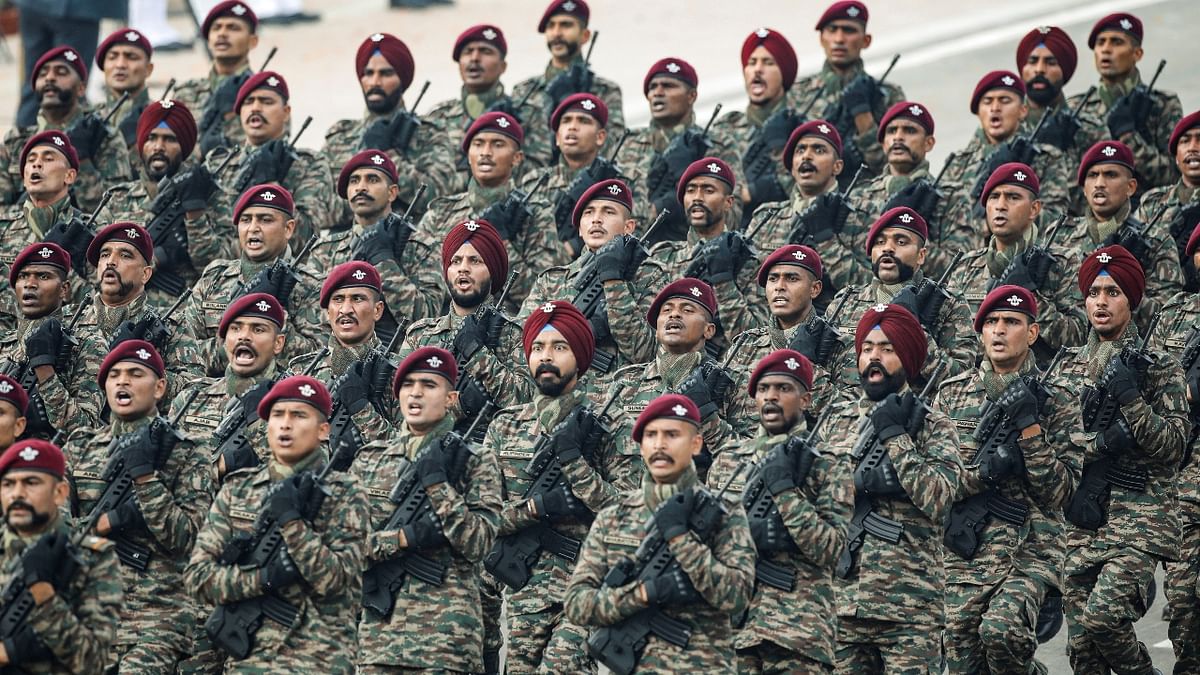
[353, 388]
[720, 259]
[213, 138]
[1018, 149]
[87, 134]
[1136, 243]
[508, 216]
[195, 186]
[240, 456]
[472, 398]
[476, 333]
[269, 163]
[778, 470]
[862, 95]
[1121, 381]
[127, 516]
[149, 328]
[386, 240]
[1028, 269]
[44, 344]
[1117, 438]
[880, 480]
[890, 417]
[276, 280]
[46, 559]
[771, 535]
[506, 105]
[431, 465]
[560, 504]
[140, 453]
[707, 386]
[920, 196]
[283, 501]
[1019, 403]
[224, 97]
[618, 258]
[577, 433]
[671, 517]
[1182, 224]
[576, 79]
[391, 133]
[24, 646]
[672, 587]
[1130, 112]
[1059, 130]
[171, 251]
[279, 573]
[424, 533]
[824, 219]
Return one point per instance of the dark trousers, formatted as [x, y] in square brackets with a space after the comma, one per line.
[41, 33]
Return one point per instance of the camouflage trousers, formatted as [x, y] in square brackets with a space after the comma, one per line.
[491, 603]
[867, 646]
[768, 658]
[992, 628]
[376, 669]
[1183, 596]
[1103, 595]
[545, 642]
[148, 656]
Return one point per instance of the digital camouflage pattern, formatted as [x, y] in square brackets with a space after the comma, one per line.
[194, 93]
[742, 129]
[370, 422]
[309, 180]
[559, 177]
[72, 396]
[1092, 130]
[23, 224]
[1049, 163]
[535, 117]
[455, 116]
[743, 304]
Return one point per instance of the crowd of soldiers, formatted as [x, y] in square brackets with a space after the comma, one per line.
[761, 395]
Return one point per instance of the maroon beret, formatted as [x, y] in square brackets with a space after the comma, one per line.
[1057, 41]
[1006, 298]
[267, 79]
[671, 67]
[233, 8]
[613, 190]
[563, 317]
[123, 36]
[669, 406]
[486, 240]
[1105, 152]
[131, 233]
[54, 139]
[688, 288]
[1012, 173]
[576, 8]
[353, 274]
[372, 159]
[1119, 263]
[779, 48]
[908, 110]
[902, 217]
[783, 362]
[14, 393]
[792, 254]
[34, 455]
[1126, 23]
[1186, 124]
[178, 119]
[902, 329]
[820, 129]
[589, 104]
[261, 305]
[426, 360]
[496, 122]
[997, 79]
[300, 388]
[481, 33]
[267, 194]
[851, 9]
[393, 50]
[39, 253]
[1193, 240]
[134, 351]
[61, 53]
[713, 167]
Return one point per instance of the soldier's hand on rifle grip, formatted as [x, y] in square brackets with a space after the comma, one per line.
[890, 418]
[24, 646]
[1019, 404]
[43, 560]
[279, 573]
[1116, 439]
[1060, 130]
[861, 95]
[881, 480]
[378, 135]
[671, 517]
[1121, 381]
[283, 501]
[44, 344]
[140, 456]
[673, 587]
[1130, 112]
[423, 533]
[87, 134]
[195, 188]
[778, 471]
[770, 535]
[559, 503]
[127, 516]
[431, 465]
[615, 257]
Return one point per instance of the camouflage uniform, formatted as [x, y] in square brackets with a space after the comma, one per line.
[743, 302]
[1092, 130]
[329, 553]
[373, 424]
[309, 180]
[456, 115]
[194, 93]
[109, 167]
[721, 569]
[21, 225]
[468, 512]
[1155, 163]
[536, 122]
[992, 600]
[1177, 221]
[159, 617]
[72, 397]
[801, 621]
[890, 608]
[1108, 570]
[79, 623]
[559, 179]
[1049, 163]
[125, 120]
[742, 129]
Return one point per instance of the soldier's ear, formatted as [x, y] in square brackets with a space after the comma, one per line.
[149, 69]
[147, 272]
[70, 176]
[805, 400]
[160, 388]
[839, 165]
[280, 339]
[691, 96]
[19, 426]
[253, 41]
[1034, 330]
[710, 331]
[323, 430]
[866, 40]
[62, 490]
[1036, 210]
[601, 136]
[930, 141]
[815, 289]
[922, 253]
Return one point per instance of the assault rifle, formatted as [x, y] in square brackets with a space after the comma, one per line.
[76, 234]
[1134, 235]
[473, 398]
[999, 456]
[802, 233]
[925, 300]
[246, 177]
[279, 278]
[817, 337]
[510, 215]
[396, 132]
[577, 78]
[37, 416]
[667, 167]
[1030, 267]
[17, 603]
[1190, 359]
[344, 434]
[1021, 149]
[602, 168]
[840, 116]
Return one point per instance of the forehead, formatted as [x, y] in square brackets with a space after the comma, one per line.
[24, 474]
[812, 140]
[292, 407]
[786, 268]
[1000, 93]
[262, 212]
[133, 367]
[378, 61]
[1042, 51]
[228, 22]
[125, 50]
[877, 337]
[681, 302]
[40, 268]
[43, 151]
[706, 181]
[760, 52]
[252, 321]
[549, 334]
[1104, 281]
[1109, 167]
[492, 137]
[480, 45]
[119, 245]
[424, 378]
[896, 232]
[666, 81]
[669, 424]
[1114, 35]
[777, 379]
[362, 172]
[467, 250]
[1010, 189]
[1006, 314]
[843, 24]
[265, 95]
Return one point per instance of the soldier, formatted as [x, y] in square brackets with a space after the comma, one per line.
[843, 92]
[266, 222]
[454, 529]
[124, 58]
[493, 145]
[759, 133]
[1046, 59]
[1006, 539]
[1181, 201]
[606, 280]
[154, 524]
[897, 244]
[1019, 253]
[704, 539]
[1108, 176]
[42, 351]
[1136, 114]
[999, 103]
[269, 156]
[419, 149]
[101, 157]
[789, 627]
[673, 140]
[14, 402]
[1123, 517]
[73, 583]
[317, 572]
[565, 25]
[713, 252]
[906, 474]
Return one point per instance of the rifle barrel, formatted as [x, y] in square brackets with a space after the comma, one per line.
[267, 61]
[407, 217]
[1157, 71]
[617, 148]
[950, 268]
[887, 72]
[296, 138]
[312, 365]
[104, 200]
[662, 215]
[825, 415]
[420, 95]
[78, 313]
[716, 111]
[854, 179]
[536, 186]
[933, 378]
[587, 58]
[178, 303]
[1087, 96]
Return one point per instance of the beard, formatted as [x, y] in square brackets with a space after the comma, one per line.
[710, 218]
[385, 105]
[783, 424]
[170, 169]
[66, 97]
[572, 47]
[472, 299]
[552, 387]
[37, 520]
[1042, 96]
[906, 271]
[890, 384]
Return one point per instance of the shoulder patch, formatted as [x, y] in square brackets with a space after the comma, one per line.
[97, 544]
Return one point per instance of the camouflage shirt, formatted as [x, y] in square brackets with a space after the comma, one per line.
[1178, 219]
[1049, 163]
[309, 180]
[196, 92]
[742, 128]
[559, 178]
[24, 224]
[374, 424]
[536, 115]
[72, 396]
[1092, 130]
[455, 115]
[1177, 328]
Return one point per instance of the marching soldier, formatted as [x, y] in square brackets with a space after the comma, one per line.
[706, 539]
[74, 585]
[790, 624]
[1123, 516]
[154, 524]
[1181, 201]
[101, 157]
[124, 58]
[453, 530]
[317, 572]
[1006, 539]
[906, 467]
[1046, 60]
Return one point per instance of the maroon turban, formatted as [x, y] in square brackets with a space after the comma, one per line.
[178, 119]
[1118, 263]
[566, 319]
[1057, 41]
[902, 329]
[486, 240]
[780, 49]
[393, 50]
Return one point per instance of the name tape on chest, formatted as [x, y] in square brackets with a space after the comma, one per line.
[619, 540]
[201, 421]
[635, 408]
[965, 425]
[243, 515]
[380, 494]
[93, 475]
[515, 454]
[214, 306]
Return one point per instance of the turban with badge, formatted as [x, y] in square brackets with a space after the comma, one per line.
[565, 318]
[902, 329]
[1118, 263]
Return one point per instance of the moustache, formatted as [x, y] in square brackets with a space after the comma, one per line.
[900, 146]
[807, 166]
[376, 91]
[547, 368]
[19, 504]
[874, 367]
[661, 455]
[363, 197]
[770, 408]
[158, 157]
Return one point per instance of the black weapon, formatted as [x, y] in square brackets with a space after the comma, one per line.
[926, 299]
[403, 125]
[267, 61]
[1021, 149]
[669, 165]
[602, 168]
[1134, 236]
[1099, 409]
[167, 90]
[800, 233]
[510, 214]
[37, 416]
[473, 398]
[75, 235]
[191, 12]
[242, 182]
[818, 336]
[1036, 259]
[344, 434]
[577, 78]
[998, 455]
[153, 328]
[16, 602]
[1190, 360]
[384, 579]
[282, 270]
